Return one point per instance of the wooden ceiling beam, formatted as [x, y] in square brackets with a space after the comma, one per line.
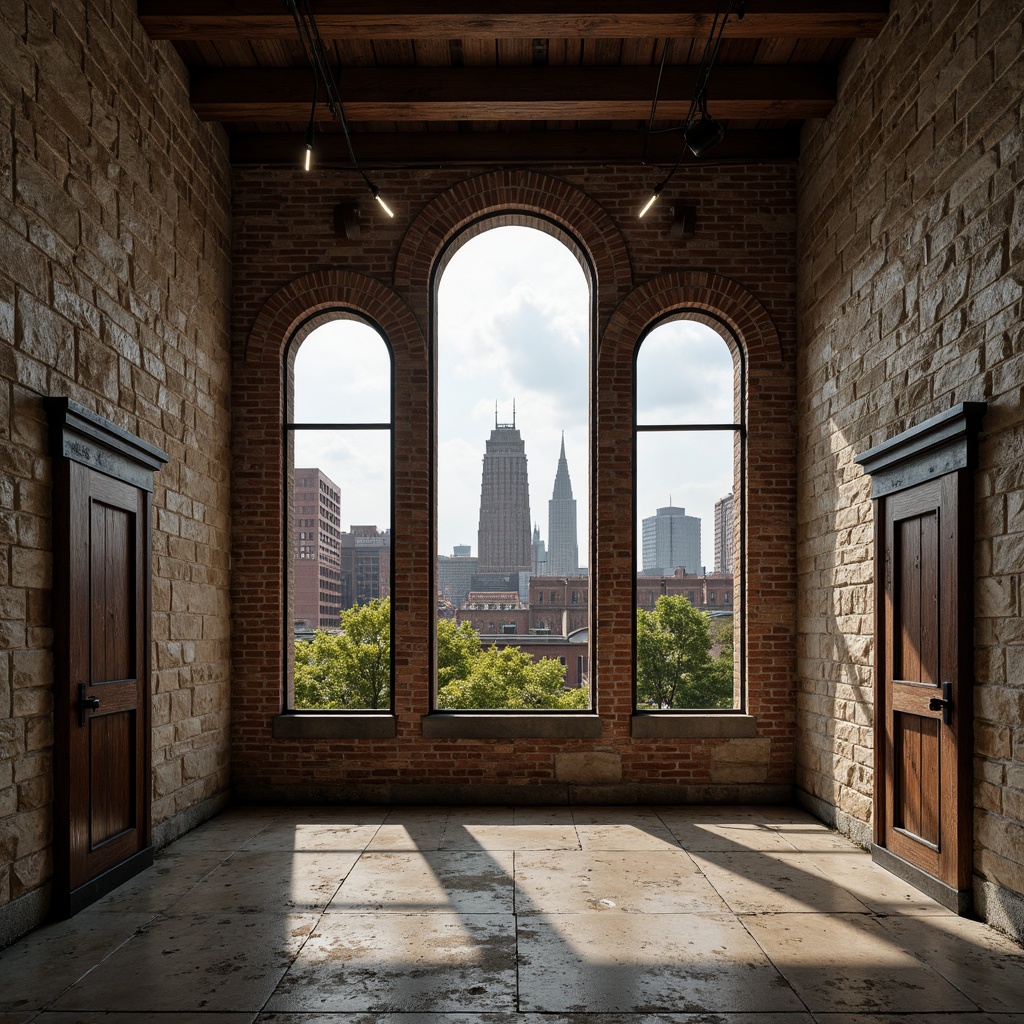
[432, 149]
[787, 92]
[457, 19]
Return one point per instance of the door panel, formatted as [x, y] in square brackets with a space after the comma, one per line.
[924, 703]
[108, 601]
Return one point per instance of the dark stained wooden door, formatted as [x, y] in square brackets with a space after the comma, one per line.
[925, 755]
[108, 742]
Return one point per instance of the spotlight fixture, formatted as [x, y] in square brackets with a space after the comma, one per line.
[699, 135]
[704, 134]
[316, 53]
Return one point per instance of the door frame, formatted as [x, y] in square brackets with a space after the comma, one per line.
[942, 447]
[79, 436]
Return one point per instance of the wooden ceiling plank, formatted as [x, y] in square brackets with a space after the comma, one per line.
[407, 19]
[407, 149]
[399, 94]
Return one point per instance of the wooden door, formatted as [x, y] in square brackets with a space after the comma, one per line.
[926, 770]
[102, 477]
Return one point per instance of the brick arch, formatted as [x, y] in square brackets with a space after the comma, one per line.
[724, 299]
[519, 194]
[303, 298]
[770, 468]
[259, 396]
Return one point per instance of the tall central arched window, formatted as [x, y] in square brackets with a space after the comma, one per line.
[513, 513]
[689, 519]
[338, 445]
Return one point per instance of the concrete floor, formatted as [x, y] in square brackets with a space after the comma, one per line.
[501, 915]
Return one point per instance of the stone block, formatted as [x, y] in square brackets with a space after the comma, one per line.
[589, 767]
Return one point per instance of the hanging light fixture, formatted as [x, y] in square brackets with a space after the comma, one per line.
[316, 53]
[699, 134]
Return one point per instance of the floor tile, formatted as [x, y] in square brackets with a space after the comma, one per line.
[660, 882]
[227, 831]
[626, 837]
[322, 836]
[38, 968]
[105, 1017]
[159, 887]
[878, 889]
[397, 962]
[690, 962]
[813, 837]
[334, 814]
[769, 882]
[449, 881]
[194, 962]
[849, 962]
[913, 1018]
[509, 837]
[410, 837]
[536, 1018]
[712, 835]
[252, 883]
[638, 817]
[986, 966]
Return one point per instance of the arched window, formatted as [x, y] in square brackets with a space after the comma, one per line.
[338, 447]
[689, 517]
[513, 395]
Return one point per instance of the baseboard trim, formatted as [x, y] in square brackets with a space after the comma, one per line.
[1000, 907]
[551, 794]
[184, 821]
[24, 914]
[854, 829]
[959, 901]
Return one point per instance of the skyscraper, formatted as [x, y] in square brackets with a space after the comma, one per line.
[317, 597]
[563, 553]
[724, 534]
[504, 535]
[540, 554]
[671, 539]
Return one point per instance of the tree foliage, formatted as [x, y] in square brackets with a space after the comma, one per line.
[674, 665]
[508, 678]
[350, 670]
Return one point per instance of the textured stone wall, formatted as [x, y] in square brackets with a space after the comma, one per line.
[740, 265]
[114, 274]
[911, 242]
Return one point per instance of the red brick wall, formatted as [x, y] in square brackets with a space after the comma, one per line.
[288, 263]
[911, 273]
[114, 275]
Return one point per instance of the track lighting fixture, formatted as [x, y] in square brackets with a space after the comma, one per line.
[699, 134]
[316, 53]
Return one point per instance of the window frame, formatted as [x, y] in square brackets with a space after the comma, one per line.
[289, 426]
[739, 429]
[445, 722]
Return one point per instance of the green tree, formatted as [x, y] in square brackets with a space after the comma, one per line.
[457, 649]
[674, 667]
[508, 678]
[351, 670]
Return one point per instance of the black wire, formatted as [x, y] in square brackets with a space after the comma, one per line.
[699, 101]
[654, 102]
[315, 51]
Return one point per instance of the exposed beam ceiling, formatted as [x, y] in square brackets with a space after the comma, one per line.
[514, 94]
[430, 149]
[456, 19]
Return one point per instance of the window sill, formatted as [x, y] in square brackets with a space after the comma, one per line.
[660, 725]
[334, 726]
[467, 725]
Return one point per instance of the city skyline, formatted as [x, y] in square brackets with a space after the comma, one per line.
[513, 325]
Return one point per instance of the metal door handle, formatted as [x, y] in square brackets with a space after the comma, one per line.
[944, 704]
[85, 703]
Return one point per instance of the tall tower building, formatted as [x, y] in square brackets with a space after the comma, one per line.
[724, 534]
[317, 597]
[563, 553]
[504, 536]
[671, 540]
[540, 554]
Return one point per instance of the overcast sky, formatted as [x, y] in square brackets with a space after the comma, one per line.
[513, 315]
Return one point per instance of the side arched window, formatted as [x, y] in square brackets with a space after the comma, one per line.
[338, 511]
[689, 387]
